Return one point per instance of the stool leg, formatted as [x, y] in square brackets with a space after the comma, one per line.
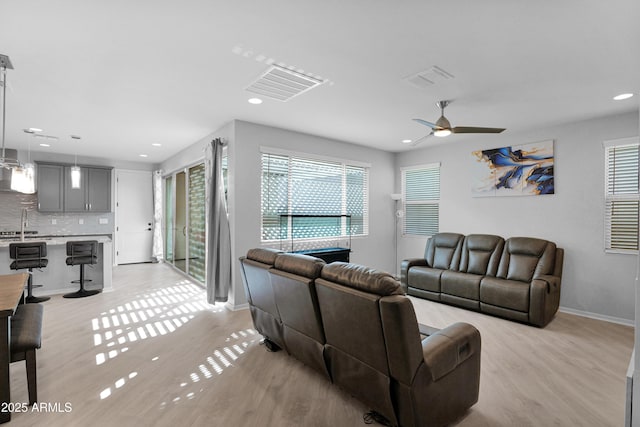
[82, 292]
[32, 378]
[30, 299]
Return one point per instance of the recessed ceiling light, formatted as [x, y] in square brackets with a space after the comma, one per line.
[157, 144]
[32, 130]
[255, 101]
[143, 155]
[623, 96]
[407, 141]
[45, 145]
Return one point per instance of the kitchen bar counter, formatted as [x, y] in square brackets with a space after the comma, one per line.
[54, 239]
[57, 276]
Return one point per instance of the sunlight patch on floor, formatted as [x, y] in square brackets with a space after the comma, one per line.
[216, 363]
[149, 315]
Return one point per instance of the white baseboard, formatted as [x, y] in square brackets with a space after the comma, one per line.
[239, 307]
[618, 320]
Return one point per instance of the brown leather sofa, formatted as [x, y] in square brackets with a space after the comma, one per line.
[518, 279]
[262, 304]
[356, 327]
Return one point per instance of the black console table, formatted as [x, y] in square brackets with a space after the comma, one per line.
[328, 255]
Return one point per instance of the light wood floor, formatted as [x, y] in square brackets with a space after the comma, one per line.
[153, 353]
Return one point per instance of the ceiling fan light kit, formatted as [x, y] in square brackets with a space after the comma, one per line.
[442, 127]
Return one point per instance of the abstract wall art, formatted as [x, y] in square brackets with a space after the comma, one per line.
[519, 170]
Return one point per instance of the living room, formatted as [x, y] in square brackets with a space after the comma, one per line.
[598, 286]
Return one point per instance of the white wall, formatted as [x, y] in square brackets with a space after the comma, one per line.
[375, 251]
[244, 161]
[593, 281]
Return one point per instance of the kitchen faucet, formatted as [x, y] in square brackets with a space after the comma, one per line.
[23, 223]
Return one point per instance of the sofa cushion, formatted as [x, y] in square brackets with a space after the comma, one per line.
[512, 294]
[263, 255]
[443, 250]
[301, 265]
[461, 284]
[362, 278]
[524, 258]
[425, 278]
[481, 254]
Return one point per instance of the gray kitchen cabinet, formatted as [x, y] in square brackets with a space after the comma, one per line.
[94, 194]
[50, 188]
[55, 193]
[99, 189]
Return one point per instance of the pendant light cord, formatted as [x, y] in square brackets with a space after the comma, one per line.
[4, 106]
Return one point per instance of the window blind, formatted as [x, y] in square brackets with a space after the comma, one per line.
[421, 200]
[622, 196]
[297, 185]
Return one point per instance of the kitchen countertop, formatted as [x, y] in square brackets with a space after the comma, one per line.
[55, 239]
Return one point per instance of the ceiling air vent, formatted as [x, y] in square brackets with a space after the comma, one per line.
[428, 77]
[283, 84]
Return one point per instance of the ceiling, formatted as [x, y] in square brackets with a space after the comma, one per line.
[124, 75]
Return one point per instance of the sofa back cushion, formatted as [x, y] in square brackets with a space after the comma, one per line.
[263, 255]
[481, 254]
[300, 265]
[363, 278]
[525, 258]
[348, 297]
[256, 278]
[295, 293]
[443, 251]
[257, 284]
[293, 285]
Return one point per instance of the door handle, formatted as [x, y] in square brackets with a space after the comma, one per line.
[184, 231]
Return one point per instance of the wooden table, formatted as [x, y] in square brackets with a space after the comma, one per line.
[11, 290]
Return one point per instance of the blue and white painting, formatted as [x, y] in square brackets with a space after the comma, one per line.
[519, 170]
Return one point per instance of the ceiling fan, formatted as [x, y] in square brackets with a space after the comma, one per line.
[442, 127]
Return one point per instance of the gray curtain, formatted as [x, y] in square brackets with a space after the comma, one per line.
[218, 276]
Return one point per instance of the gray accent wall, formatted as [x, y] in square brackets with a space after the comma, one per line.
[594, 282]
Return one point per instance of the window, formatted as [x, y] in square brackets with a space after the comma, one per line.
[421, 199]
[295, 184]
[621, 195]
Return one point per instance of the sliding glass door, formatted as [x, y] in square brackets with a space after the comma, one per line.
[185, 220]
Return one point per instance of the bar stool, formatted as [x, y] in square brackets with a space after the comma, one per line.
[29, 255]
[81, 253]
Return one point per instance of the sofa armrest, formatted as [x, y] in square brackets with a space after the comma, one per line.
[427, 330]
[446, 349]
[404, 269]
[544, 299]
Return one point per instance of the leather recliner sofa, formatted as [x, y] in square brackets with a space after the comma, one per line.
[518, 279]
[262, 304]
[356, 327]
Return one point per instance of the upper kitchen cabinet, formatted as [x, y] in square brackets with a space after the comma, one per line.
[94, 194]
[55, 193]
[50, 190]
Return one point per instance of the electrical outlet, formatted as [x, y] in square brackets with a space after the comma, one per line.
[104, 220]
[54, 221]
[81, 221]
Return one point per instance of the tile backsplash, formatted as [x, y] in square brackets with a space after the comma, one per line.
[11, 205]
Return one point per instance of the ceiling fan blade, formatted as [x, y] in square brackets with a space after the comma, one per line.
[469, 129]
[419, 140]
[426, 123]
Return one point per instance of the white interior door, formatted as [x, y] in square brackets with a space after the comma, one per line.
[134, 216]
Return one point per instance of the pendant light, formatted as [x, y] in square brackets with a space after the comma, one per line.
[22, 176]
[75, 169]
[5, 63]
